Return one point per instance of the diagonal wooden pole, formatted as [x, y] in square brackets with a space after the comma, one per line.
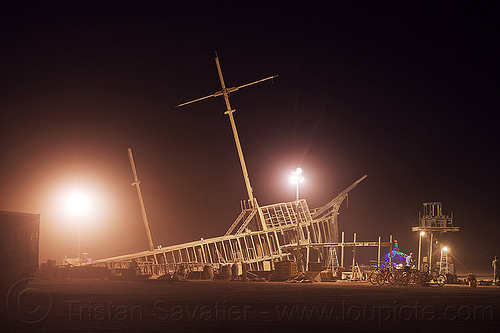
[137, 183]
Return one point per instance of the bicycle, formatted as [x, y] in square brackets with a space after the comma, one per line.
[403, 277]
[409, 276]
[426, 278]
[372, 278]
[386, 277]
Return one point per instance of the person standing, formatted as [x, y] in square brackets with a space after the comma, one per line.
[496, 270]
[409, 261]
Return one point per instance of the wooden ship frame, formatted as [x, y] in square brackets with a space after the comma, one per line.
[259, 237]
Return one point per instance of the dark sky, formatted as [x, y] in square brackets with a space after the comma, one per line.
[406, 93]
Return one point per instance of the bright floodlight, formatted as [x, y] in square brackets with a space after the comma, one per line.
[78, 204]
[297, 177]
[422, 233]
[445, 248]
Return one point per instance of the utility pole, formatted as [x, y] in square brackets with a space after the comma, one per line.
[229, 111]
[137, 185]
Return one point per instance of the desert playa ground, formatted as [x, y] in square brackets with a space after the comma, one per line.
[235, 306]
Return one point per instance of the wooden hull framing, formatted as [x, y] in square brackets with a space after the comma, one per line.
[263, 236]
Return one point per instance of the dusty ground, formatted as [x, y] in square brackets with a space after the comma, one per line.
[110, 305]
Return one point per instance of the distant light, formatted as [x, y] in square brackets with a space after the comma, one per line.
[445, 248]
[297, 176]
[422, 233]
[78, 204]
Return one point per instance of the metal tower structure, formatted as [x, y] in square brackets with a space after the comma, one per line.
[432, 225]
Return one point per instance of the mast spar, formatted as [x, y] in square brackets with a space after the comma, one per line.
[229, 111]
[137, 183]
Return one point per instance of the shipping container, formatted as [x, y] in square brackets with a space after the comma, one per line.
[19, 245]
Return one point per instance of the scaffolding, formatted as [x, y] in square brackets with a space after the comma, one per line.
[444, 266]
[433, 224]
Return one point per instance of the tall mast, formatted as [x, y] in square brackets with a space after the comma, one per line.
[137, 185]
[229, 111]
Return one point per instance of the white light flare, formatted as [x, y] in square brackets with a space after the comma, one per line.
[78, 204]
[297, 176]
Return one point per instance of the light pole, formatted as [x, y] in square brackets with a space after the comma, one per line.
[78, 205]
[422, 233]
[297, 178]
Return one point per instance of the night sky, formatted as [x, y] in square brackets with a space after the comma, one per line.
[406, 92]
